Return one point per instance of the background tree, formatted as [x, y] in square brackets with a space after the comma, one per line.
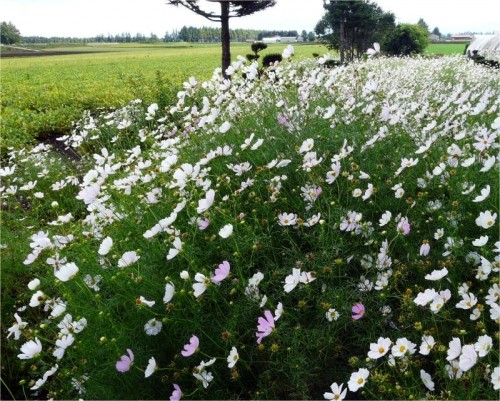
[228, 9]
[9, 33]
[311, 37]
[304, 35]
[406, 39]
[435, 31]
[421, 23]
[351, 26]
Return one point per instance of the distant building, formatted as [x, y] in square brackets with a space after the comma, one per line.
[433, 37]
[280, 39]
[462, 37]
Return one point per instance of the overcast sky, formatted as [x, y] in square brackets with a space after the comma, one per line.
[87, 18]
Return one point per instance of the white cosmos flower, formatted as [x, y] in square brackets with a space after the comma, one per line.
[16, 327]
[287, 219]
[437, 274]
[480, 241]
[153, 327]
[288, 52]
[128, 258]
[201, 284]
[225, 127]
[169, 292]
[386, 217]
[380, 348]
[428, 343]
[204, 204]
[105, 246]
[495, 375]
[226, 231]
[144, 301]
[40, 382]
[427, 380]
[292, 280]
[373, 51]
[150, 369]
[232, 358]
[483, 345]
[402, 347]
[485, 192]
[468, 357]
[486, 219]
[454, 349]
[337, 393]
[64, 342]
[33, 284]
[30, 349]
[358, 379]
[468, 301]
[488, 164]
[423, 298]
[66, 272]
[173, 252]
[37, 298]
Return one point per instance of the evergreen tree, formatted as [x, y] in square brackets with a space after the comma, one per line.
[435, 31]
[352, 26]
[228, 9]
[421, 23]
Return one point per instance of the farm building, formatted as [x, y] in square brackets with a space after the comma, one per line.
[484, 43]
[280, 39]
[461, 37]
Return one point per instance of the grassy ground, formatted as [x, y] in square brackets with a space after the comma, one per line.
[445, 48]
[42, 95]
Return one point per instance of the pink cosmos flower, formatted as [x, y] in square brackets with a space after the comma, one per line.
[176, 394]
[203, 223]
[358, 311]
[404, 226]
[123, 365]
[221, 272]
[265, 326]
[190, 349]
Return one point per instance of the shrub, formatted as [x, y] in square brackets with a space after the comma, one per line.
[406, 39]
[270, 59]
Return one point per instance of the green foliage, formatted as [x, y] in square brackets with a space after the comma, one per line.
[9, 34]
[405, 40]
[271, 59]
[351, 27]
[422, 24]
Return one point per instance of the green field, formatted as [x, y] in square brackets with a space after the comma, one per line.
[41, 96]
[445, 48]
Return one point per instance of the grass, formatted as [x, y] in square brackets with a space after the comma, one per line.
[446, 49]
[42, 96]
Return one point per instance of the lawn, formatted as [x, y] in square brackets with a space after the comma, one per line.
[446, 49]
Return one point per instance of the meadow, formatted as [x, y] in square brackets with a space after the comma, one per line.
[305, 232]
[41, 96]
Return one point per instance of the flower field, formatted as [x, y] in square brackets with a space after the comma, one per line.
[307, 233]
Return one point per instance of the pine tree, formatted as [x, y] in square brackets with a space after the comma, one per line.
[228, 9]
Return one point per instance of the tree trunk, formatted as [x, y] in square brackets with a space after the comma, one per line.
[342, 42]
[224, 36]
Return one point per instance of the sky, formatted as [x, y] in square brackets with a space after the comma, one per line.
[88, 18]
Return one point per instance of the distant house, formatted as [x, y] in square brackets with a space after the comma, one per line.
[433, 37]
[462, 37]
